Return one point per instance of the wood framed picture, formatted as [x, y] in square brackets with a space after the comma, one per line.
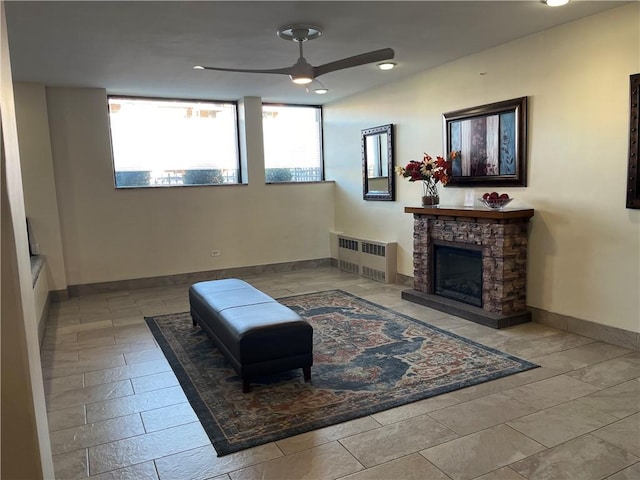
[490, 142]
[633, 176]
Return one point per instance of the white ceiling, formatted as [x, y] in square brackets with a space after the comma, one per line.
[148, 48]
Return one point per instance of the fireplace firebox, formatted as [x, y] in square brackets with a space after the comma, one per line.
[472, 263]
[457, 274]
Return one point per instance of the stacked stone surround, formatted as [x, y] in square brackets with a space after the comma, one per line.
[502, 239]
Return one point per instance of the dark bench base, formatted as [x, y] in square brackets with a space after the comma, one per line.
[246, 384]
[258, 335]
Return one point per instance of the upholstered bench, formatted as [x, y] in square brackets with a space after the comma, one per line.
[256, 334]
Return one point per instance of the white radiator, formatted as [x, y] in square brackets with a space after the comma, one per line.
[368, 258]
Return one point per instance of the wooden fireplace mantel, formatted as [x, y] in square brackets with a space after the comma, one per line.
[471, 212]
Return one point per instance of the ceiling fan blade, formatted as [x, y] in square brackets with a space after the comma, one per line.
[362, 59]
[284, 71]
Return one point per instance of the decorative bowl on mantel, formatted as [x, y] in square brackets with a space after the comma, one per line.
[495, 203]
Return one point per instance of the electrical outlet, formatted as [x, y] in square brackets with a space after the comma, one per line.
[215, 253]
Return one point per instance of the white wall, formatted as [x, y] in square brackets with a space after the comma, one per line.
[584, 255]
[36, 160]
[111, 234]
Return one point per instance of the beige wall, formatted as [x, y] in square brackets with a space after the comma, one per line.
[40, 199]
[584, 256]
[585, 246]
[111, 234]
[25, 448]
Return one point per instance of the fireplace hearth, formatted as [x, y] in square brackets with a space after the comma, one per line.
[471, 263]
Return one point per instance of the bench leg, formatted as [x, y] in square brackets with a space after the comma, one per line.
[307, 373]
[246, 385]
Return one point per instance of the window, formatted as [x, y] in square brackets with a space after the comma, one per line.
[159, 142]
[292, 143]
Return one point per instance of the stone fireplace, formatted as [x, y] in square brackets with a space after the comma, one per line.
[471, 263]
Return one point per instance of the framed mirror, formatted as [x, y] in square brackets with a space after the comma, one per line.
[633, 177]
[377, 163]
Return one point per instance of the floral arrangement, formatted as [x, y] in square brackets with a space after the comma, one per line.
[429, 170]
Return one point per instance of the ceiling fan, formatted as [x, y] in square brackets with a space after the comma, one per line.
[302, 72]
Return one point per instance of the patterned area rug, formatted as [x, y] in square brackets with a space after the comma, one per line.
[367, 358]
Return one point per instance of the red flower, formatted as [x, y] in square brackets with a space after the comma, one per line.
[428, 170]
[413, 171]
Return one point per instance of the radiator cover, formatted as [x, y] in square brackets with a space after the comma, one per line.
[371, 259]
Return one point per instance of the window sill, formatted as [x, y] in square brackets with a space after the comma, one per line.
[299, 183]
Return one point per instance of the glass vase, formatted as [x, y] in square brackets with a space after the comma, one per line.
[430, 196]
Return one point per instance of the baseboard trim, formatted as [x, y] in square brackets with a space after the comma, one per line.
[404, 280]
[42, 321]
[59, 295]
[189, 278]
[604, 333]
[587, 328]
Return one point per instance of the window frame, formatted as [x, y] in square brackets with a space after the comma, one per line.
[320, 139]
[234, 103]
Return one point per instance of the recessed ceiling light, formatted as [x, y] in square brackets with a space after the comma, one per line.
[386, 65]
[320, 88]
[555, 3]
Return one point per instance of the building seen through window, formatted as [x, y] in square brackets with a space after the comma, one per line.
[161, 142]
[292, 143]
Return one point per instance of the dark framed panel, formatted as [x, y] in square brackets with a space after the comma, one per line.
[633, 177]
[491, 144]
[378, 181]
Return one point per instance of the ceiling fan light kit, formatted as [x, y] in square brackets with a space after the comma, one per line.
[301, 80]
[302, 72]
[386, 65]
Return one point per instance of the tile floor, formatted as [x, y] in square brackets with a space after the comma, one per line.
[116, 410]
